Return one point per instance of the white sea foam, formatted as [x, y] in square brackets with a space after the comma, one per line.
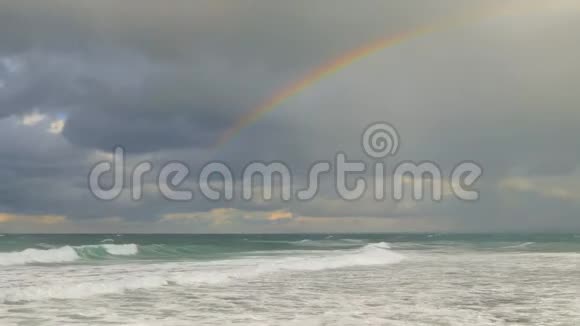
[64, 254]
[382, 245]
[121, 278]
[121, 249]
[31, 256]
[450, 286]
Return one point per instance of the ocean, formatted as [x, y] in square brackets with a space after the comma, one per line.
[301, 279]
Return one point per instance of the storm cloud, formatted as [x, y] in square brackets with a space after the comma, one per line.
[165, 80]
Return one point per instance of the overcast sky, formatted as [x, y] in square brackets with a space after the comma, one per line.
[164, 79]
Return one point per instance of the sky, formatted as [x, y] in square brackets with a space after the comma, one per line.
[166, 79]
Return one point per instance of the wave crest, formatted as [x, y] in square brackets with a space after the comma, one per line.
[39, 256]
[121, 249]
[119, 279]
[66, 254]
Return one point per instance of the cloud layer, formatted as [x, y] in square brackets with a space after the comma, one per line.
[166, 79]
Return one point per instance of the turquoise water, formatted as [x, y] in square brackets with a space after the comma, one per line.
[338, 279]
[157, 246]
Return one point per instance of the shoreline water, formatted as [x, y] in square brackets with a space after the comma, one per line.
[342, 279]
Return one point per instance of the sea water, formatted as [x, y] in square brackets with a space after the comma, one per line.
[331, 279]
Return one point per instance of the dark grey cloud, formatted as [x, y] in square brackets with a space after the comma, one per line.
[199, 65]
[166, 79]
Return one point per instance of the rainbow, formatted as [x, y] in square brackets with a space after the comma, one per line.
[339, 63]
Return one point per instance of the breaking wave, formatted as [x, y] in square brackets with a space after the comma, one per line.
[119, 279]
[43, 256]
[65, 254]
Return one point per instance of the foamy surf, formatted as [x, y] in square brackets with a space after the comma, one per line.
[121, 249]
[120, 278]
[181, 280]
[66, 254]
[39, 256]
